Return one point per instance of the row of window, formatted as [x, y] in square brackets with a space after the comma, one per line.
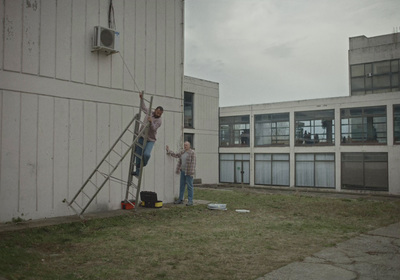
[360, 171]
[366, 125]
[375, 77]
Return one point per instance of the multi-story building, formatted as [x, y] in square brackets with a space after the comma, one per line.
[343, 143]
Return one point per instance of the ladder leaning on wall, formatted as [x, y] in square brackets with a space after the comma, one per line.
[105, 169]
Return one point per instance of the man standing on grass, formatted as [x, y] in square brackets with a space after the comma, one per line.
[187, 168]
[155, 123]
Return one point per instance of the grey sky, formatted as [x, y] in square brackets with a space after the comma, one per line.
[262, 51]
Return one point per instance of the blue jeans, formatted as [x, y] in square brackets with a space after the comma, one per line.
[186, 179]
[146, 154]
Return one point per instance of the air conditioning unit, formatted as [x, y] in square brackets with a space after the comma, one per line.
[105, 40]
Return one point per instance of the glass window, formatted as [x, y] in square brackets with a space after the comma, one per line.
[234, 131]
[234, 168]
[377, 77]
[272, 169]
[189, 137]
[396, 123]
[315, 127]
[272, 129]
[365, 171]
[188, 109]
[315, 170]
[363, 125]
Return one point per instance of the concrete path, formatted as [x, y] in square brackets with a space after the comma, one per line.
[375, 255]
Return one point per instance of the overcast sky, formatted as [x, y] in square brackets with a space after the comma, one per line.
[262, 51]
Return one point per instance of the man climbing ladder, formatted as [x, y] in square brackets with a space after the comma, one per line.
[155, 122]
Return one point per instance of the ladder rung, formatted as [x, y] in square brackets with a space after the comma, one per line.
[93, 184]
[117, 153]
[109, 163]
[77, 204]
[131, 131]
[125, 143]
[86, 194]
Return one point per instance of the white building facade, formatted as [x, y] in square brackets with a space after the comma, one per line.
[201, 107]
[63, 105]
[345, 143]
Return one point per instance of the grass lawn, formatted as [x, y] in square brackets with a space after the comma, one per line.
[179, 242]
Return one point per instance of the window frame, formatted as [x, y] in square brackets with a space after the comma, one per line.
[396, 114]
[238, 131]
[276, 139]
[272, 159]
[312, 117]
[364, 172]
[190, 104]
[314, 161]
[345, 114]
[370, 76]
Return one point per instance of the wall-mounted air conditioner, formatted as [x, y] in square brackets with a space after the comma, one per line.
[105, 40]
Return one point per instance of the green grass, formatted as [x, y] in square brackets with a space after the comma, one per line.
[178, 242]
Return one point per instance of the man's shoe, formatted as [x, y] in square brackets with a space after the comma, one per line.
[135, 173]
[190, 203]
[178, 201]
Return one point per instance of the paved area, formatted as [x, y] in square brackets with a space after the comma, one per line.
[375, 255]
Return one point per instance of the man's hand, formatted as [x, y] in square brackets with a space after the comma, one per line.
[167, 148]
[141, 95]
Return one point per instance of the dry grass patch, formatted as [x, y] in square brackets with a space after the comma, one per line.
[178, 242]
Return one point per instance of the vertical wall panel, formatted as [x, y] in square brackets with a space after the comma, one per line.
[104, 60]
[28, 155]
[103, 145]
[1, 32]
[63, 43]
[45, 156]
[78, 48]
[13, 35]
[10, 133]
[115, 132]
[140, 44]
[127, 115]
[75, 153]
[89, 146]
[47, 50]
[92, 19]
[129, 45]
[151, 44]
[170, 52]
[30, 39]
[178, 48]
[61, 132]
[160, 45]
[117, 65]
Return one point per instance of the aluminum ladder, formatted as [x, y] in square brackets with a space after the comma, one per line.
[106, 168]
